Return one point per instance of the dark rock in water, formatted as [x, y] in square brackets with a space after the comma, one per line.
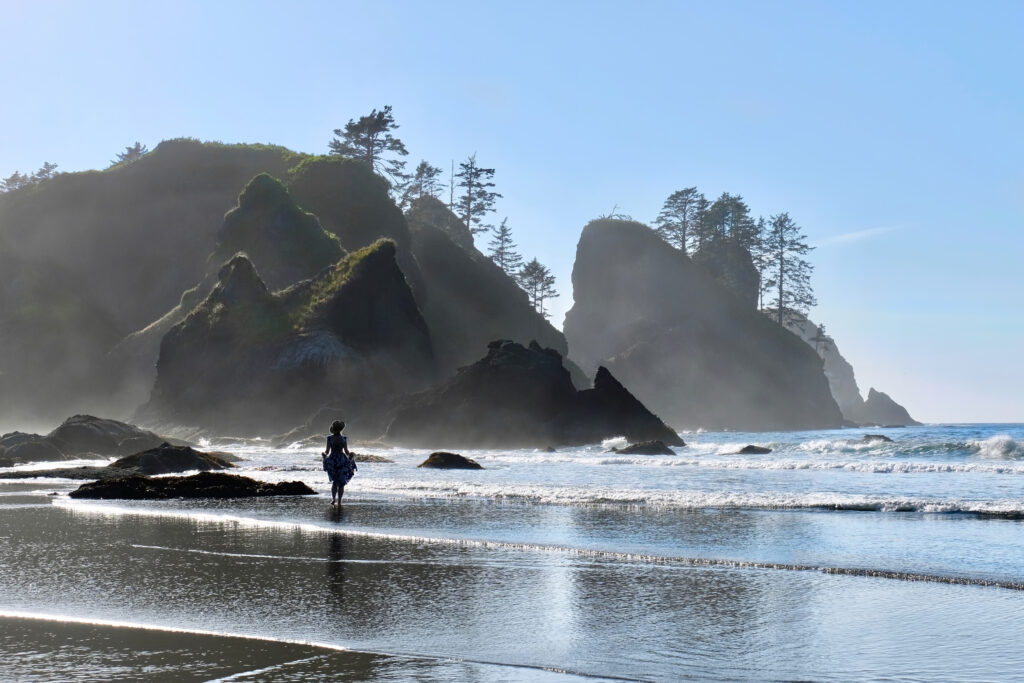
[167, 458]
[39, 449]
[369, 457]
[550, 449]
[874, 438]
[646, 448]
[879, 409]
[694, 352]
[89, 472]
[202, 485]
[754, 450]
[82, 434]
[450, 461]
[520, 396]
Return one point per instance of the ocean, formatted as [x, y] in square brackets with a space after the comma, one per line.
[831, 558]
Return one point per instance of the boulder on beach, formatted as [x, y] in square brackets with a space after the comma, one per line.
[81, 434]
[450, 461]
[646, 448]
[165, 459]
[754, 450]
[202, 485]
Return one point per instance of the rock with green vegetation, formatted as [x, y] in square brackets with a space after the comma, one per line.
[443, 460]
[251, 360]
[693, 351]
[202, 485]
[350, 200]
[466, 299]
[522, 397]
[285, 243]
[87, 258]
[733, 267]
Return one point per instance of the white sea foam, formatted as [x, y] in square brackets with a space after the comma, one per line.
[999, 447]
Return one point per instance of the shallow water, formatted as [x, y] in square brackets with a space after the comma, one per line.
[822, 561]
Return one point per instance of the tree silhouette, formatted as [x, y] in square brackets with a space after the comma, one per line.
[477, 200]
[369, 139]
[503, 250]
[539, 284]
[788, 272]
[131, 154]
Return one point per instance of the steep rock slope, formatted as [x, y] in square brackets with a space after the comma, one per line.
[248, 359]
[688, 348]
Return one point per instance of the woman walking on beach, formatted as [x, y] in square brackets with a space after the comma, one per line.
[338, 462]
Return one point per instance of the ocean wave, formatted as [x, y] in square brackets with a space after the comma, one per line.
[999, 447]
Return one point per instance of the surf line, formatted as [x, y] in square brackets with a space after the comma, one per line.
[252, 522]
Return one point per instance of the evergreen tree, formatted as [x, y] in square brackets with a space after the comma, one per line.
[130, 154]
[702, 230]
[675, 223]
[423, 183]
[788, 272]
[729, 216]
[477, 199]
[45, 172]
[15, 181]
[760, 260]
[503, 250]
[370, 140]
[539, 284]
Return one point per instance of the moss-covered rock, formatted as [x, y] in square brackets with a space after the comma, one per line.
[285, 243]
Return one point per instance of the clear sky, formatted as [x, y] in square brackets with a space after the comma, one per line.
[890, 131]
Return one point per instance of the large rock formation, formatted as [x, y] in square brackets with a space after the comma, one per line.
[843, 384]
[248, 359]
[80, 436]
[689, 348]
[879, 409]
[520, 396]
[733, 266]
[202, 485]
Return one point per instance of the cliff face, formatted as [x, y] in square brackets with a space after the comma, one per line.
[691, 350]
[466, 299]
[879, 409]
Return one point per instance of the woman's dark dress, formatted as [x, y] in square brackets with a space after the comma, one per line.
[339, 467]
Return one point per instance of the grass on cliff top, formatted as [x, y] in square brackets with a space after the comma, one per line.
[328, 286]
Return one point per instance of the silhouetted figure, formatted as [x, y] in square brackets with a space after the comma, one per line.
[338, 462]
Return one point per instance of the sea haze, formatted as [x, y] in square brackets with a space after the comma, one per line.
[830, 558]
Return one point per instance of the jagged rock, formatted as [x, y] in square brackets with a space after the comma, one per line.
[754, 450]
[202, 485]
[690, 349]
[879, 409]
[248, 360]
[167, 458]
[520, 396]
[646, 448]
[450, 461]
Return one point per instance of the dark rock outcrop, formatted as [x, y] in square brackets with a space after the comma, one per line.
[733, 267]
[166, 459]
[646, 448]
[690, 349]
[39, 449]
[872, 438]
[202, 485]
[520, 396]
[450, 461]
[879, 409]
[246, 359]
[82, 434]
[754, 450]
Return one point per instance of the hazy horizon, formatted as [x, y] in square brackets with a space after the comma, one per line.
[889, 133]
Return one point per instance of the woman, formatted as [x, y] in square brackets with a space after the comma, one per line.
[338, 462]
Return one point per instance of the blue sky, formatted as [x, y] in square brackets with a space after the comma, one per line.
[890, 131]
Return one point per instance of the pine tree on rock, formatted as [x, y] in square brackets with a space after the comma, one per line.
[370, 140]
[130, 154]
[675, 223]
[425, 182]
[788, 272]
[477, 199]
[539, 284]
[503, 250]
[729, 217]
